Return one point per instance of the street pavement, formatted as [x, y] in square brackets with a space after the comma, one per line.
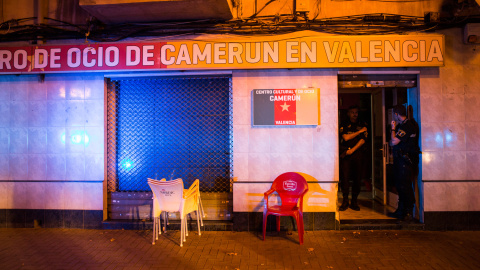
[129, 249]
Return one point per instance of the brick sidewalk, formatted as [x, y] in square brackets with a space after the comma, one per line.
[125, 249]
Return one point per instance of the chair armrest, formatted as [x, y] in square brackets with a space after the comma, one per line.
[194, 188]
[268, 192]
[188, 196]
[300, 201]
[191, 194]
[265, 197]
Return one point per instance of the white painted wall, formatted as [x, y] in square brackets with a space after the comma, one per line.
[450, 122]
[261, 153]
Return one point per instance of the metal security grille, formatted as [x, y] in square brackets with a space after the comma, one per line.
[169, 127]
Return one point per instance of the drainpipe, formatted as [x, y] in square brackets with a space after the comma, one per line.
[41, 4]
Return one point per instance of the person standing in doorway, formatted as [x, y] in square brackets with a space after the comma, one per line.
[404, 140]
[353, 135]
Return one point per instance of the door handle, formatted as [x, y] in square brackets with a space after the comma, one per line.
[387, 153]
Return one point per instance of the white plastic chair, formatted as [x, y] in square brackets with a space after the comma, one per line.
[195, 184]
[169, 197]
[165, 214]
[157, 209]
[192, 198]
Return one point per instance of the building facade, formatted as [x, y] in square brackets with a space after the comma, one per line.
[54, 129]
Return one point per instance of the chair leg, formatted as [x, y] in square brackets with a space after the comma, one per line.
[185, 229]
[165, 216]
[198, 223]
[301, 229]
[181, 232]
[155, 221]
[201, 209]
[264, 225]
[158, 225]
[154, 231]
[278, 223]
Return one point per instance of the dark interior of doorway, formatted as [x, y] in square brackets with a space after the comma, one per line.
[370, 209]
[363, 100]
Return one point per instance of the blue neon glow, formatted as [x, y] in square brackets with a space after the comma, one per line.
[127, 164]
[438, 138]
[78, 137]
[448, 137]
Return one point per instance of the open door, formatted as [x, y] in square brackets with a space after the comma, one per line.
[383, 100]
[380, 148]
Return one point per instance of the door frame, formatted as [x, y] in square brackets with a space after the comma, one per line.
[418, 186]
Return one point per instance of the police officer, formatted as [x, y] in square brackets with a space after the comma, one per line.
[404, 139]
[352, 138]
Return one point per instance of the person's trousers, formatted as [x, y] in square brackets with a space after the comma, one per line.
[351, 170]
[405, 174]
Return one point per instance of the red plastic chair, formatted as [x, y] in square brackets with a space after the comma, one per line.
[291, 187]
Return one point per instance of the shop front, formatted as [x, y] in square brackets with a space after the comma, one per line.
[89, 123]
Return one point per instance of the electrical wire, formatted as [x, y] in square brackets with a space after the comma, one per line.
[365, 24]
[256, 13]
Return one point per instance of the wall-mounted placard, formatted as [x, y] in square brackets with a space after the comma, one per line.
[286, 107]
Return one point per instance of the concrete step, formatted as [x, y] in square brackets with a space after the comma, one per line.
[208, 225]
[380, 224]
[138, 206]
[227, 225]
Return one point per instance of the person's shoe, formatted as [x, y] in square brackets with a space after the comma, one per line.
[394, 215]
[354, 205]
[344, 205]
[408, 217]
[397, 214]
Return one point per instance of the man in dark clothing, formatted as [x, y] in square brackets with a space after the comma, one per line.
[352, 138]
[404, 139]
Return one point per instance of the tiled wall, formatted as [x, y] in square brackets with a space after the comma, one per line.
[52, 141]
[262, 153]
[450, 122]
[46, 163]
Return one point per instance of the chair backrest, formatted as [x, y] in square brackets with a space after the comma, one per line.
[163, 180]
[290, 187]
[168, 195]
[192, 197]
[156, 180]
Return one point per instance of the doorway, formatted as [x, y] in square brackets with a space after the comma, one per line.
[376, 95]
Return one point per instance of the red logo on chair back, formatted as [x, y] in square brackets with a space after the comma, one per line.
[166, 192]
[290, 185]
